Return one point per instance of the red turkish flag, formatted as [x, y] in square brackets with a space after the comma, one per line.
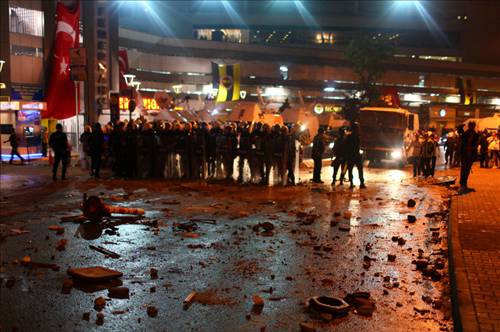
[123, 65]
[61, 95]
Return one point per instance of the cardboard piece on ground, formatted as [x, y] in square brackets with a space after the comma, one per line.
[94, 273]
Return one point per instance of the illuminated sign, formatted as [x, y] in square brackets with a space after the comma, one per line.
[148, 103]
[319, 108]
[33, 106]
[442, 113]
[9, 106]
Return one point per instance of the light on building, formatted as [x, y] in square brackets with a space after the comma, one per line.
[442, 113]
[177, 88]
[251, 76]
[136, 85]
[329, 89]
[2, 62]
[495, 101]
[129, 78]
[284, 72]
[243, 94]
[452, 99]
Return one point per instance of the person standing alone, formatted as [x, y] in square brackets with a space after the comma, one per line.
[14, 144]
[58, 141]
[96, 149]
[469, 140]
[317, 154]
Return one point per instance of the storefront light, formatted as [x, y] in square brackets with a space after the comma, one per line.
[2, 62]
[129, 78]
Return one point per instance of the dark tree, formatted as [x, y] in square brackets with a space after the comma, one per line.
[367, 56]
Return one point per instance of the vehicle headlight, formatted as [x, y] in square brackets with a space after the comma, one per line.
[396, 154]
[331, 145]
[303, 127]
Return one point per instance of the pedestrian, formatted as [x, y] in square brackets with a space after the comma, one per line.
[449, 148]
[415, 153]
[14, 144]
[339, 156]
[244, 148]
[317, 154]
[291, 155]
[85, 142]
[354, 156]
[45, 141]
[469, 140]
[427, 153]
[96, 150]
[483, 149]
[58, 141]
[436, 155]
[494, 149]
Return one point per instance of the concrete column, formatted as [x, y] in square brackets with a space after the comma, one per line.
[89, 30]
[114, 70]
[5, 47]
[49, 13]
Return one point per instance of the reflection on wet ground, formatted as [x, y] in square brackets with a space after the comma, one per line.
[322, 241]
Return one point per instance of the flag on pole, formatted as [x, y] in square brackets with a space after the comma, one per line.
[61, 94]
[226, 79]
[123, 66]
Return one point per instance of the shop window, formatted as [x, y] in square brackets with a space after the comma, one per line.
[26, 21]
[26, 50]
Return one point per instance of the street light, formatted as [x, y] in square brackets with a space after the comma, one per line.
[129, 80]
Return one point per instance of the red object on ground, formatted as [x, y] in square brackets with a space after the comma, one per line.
[61, 91]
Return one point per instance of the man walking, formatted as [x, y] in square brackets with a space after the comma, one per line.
[468, 151]
[354, 158]
[58, 141]
[14, 144]
[317, 154]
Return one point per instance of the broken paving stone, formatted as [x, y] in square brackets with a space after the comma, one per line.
[100, 318]
[399, 304]
[391, 257]
[427, 299]
[347, 214]
[437, 304]
[334, 223]
[395, 238]
[257, 300]
[421, 311]
[119, 292]
[307, 327]
[411, 218]
[61, 244]
[99, 303]
[94, 273]
[411, 203]
[86, 316]
[344, 228]
[421, 264]
[58, 229]
[152, 311]
[67, 286]
[26, 260]
[401, 241]
[152, 289]
[153, 273]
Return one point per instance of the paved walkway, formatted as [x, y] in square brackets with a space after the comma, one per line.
[475, 252]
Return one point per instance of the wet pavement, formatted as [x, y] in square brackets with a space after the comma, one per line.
[323, 241]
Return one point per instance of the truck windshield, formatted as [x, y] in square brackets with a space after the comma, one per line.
[381, 119]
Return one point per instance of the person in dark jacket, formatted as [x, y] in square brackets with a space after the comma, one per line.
[353, 155]
[96, 149]
[483, 149]
[317, 154]
[469, 140]
[449, 148]
[14, 144]
[244, 149]
[58, 141]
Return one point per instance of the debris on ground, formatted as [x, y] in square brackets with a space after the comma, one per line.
[67, 286]
[267, 228]
[307, 327]
[152, 311]
[61, 244]
[411, 218]
[327, 304]
[411, 203]
[99, 303]
[119, 292]
[99, 318]
[94, 273]
[153, 273]
[104, 251]
[257, 300]
[58, 229]
[362, 302]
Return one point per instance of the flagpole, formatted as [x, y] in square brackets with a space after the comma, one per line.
[77, 118]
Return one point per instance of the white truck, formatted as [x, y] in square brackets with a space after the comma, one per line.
[385, 131]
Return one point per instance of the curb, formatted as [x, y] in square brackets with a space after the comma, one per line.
[463, 311]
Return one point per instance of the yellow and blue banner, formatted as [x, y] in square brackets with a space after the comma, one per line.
[226, 79]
